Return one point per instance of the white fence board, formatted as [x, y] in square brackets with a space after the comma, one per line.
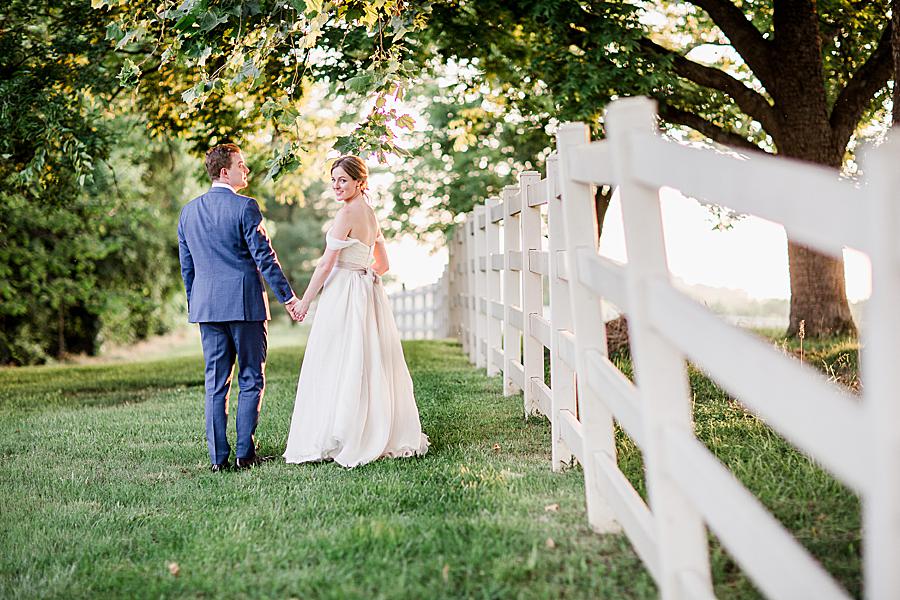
[497, 309]
[590, 163]
[630, 509]
[603, 276]
[572, 433]
[805, 408]
[777, 563]
[778, 189]
[539, 327]
[538, 262]
[516, 373]
[562, 271]
[514, 318]
[513, 202]
[542, 395]
[567, 348]
[514, 260]
[537, 193]
[497, 213]
[619, 394]
[497, 358]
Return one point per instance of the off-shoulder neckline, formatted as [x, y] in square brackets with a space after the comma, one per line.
[358, 241]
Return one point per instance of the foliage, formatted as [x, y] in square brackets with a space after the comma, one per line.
[252, 58]
[472, 146]
[65, 267]
[83, 259]
[557, 60]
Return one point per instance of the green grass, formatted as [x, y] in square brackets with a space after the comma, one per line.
[105, 478]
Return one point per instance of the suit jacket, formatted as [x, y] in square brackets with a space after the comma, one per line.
[225, 253]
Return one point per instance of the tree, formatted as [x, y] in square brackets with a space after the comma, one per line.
[470, 148]
[802, 76]
[78, 252]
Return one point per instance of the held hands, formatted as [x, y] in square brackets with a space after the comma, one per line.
[293, 308]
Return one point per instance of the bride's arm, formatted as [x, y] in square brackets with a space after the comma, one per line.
[381, 264]
[340, 230]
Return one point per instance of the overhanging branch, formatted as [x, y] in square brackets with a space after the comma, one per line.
[858, 93]
[751, 102]
[744, 37]
[678, 116]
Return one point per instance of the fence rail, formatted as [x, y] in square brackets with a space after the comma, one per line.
[423, 312]
[499, 258]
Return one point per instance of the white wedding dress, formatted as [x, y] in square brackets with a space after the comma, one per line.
[355, 400]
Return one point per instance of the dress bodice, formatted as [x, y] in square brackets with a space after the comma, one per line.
[353, 253]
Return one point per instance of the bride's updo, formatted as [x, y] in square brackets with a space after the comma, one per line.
[356, 169]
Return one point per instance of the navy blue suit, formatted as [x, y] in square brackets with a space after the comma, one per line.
[225, 254]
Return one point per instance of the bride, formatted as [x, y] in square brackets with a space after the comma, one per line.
[355, 396]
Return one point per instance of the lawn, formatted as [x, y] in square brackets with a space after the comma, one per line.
[108, 494]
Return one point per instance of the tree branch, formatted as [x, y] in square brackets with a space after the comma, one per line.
[858, 92]
[743, 35]
[678, 116]
[750, 101]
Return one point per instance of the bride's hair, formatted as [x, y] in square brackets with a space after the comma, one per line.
[356, 169]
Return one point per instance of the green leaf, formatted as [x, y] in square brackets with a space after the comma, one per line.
[130, 74]
[114, 31]
[360, 84]
[210, 20]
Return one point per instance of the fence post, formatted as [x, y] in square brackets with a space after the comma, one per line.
[480, 288]
[461, 275]
[471, 264]
[512, 293]
[494, 331]
[457, 287]
[532, 290]
[589, 329]
[562, 377]
[660, 369]
[446, 321]
[880, 343]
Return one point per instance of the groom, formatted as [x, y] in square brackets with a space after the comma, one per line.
[225, 253]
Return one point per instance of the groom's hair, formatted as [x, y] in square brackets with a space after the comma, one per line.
[218, 158]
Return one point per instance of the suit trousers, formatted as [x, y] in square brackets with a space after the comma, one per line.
[222, 343]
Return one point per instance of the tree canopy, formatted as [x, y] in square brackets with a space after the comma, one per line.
[792, 77]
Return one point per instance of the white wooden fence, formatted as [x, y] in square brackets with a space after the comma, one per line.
[423, 312]
[496, 310]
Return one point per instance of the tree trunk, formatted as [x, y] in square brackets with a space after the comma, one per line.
[602, 198]
[895, 53]
[818, 294]
[818, 291]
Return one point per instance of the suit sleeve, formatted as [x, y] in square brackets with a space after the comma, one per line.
[262, 252]
[187, 261]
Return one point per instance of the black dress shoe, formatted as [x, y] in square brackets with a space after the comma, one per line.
[219, 467]
[251, 461]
